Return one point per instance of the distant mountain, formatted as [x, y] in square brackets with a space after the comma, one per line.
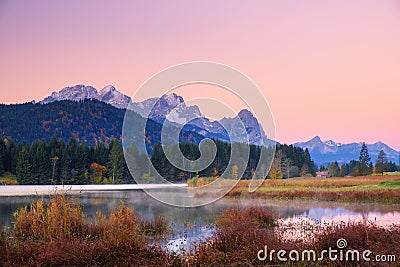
[171, 107]
[111, 96]
[80, 92]
[252, 128]
[323, 152]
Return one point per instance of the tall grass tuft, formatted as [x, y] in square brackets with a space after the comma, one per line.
[237, 238]
[58, 233]
[60, 218]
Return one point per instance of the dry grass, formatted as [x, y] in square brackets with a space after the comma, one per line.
[237, 239]
[59, 234]
[61, 218]
[8, 179]
[361, 237]
[321, 183]
[240, 234]
[197, 182]
[379, 189]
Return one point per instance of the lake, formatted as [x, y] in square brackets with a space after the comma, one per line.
[193, 224]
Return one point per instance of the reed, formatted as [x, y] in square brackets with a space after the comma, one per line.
[58, 233]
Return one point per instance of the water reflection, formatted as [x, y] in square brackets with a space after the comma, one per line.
[200, 218]
[148, 207]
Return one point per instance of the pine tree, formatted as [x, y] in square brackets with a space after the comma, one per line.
[72, 162]
[135, 166]
[65, 169]
[310, 163]
[391, 167]
[23, 167]
[364, 165]
[101, 154]
[82, 164]
[2, 156]
[158, 160]
[11, 155]
[43, 164]
[116, 162]
[14, 158]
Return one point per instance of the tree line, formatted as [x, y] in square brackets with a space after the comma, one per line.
[57, 162]
[362, 166]
[289, 161]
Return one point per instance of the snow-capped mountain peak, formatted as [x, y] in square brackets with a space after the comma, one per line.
[107, 89]
[112, 96]
[332, 143]
[76, 93]
[168, 106]
[173, 108]
[80, 92]
[172, 99]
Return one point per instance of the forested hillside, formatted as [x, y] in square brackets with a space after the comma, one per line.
[88, 121]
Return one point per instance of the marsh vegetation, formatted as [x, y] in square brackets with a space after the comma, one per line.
[57, 232]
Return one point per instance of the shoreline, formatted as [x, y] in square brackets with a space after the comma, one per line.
[32, 190]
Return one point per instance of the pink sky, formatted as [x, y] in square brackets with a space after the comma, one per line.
[327, 68]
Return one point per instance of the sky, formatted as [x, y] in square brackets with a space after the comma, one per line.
[328, 68]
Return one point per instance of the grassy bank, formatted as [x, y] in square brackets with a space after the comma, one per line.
[388, 173]
[58, 233]
[369, 189]
[8, 179]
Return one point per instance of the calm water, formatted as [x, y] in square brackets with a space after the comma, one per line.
[192, 224]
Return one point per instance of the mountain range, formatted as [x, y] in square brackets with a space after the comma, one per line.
[172, 107]
[89, 115]
[323, 152]
[80, 92]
